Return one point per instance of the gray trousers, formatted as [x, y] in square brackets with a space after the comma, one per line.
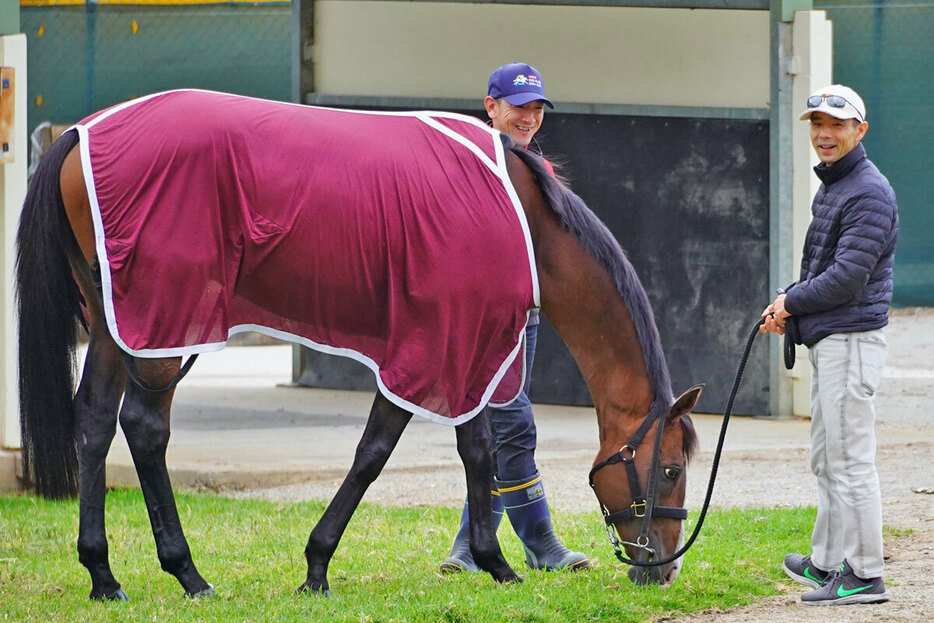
[846, 370]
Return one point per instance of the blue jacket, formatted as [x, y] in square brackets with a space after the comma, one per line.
[845, 284]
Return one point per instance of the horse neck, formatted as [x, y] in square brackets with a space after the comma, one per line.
[583, 304]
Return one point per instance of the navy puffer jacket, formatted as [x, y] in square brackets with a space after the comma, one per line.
[845, 284]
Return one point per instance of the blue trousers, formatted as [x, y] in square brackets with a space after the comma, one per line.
[513, 426]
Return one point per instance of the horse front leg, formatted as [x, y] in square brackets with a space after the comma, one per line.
[96, 403]
[475, 450]
[383, 429]
[145, 421]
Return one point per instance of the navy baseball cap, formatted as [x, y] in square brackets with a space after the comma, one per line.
[518, 84]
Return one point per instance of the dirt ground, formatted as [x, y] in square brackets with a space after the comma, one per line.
[905, 430]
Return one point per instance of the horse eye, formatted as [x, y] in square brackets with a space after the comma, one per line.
[672, 473]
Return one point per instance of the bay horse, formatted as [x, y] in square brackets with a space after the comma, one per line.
[65, 277]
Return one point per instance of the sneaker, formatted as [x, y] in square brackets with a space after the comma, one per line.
[800, 569]
[844, 587]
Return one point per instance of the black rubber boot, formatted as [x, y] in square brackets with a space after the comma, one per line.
[528, 512]
[461, 558]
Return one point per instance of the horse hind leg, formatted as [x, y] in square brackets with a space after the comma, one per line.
[95, 407]
[475, 450]
[96, 403]
[145, 422]
[383, 429]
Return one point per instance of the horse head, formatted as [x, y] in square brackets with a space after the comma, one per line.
[649, 517]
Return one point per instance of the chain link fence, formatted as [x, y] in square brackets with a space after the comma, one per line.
[883, 50]
[85, 55]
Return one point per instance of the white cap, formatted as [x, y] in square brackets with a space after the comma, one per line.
[853, 107]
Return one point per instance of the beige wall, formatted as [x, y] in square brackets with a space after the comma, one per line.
[588, 54]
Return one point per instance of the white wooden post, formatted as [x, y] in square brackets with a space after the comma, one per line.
[12, 191]
[812, 62]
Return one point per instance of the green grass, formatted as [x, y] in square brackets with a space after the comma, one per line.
[384, 570]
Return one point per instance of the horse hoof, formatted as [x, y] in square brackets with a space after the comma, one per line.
[509, 578]
[206, 593]
[117, 595]
[317, 591]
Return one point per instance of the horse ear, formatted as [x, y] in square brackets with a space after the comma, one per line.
[685, 403]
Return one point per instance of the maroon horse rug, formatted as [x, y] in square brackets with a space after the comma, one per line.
[392, 238]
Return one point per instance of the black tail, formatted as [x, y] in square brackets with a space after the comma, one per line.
[48, 305]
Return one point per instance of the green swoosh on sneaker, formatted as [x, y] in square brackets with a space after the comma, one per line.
[807, 574]
[842, 592]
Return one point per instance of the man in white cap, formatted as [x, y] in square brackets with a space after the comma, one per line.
[838, 308]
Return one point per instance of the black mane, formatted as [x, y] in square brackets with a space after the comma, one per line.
[577, 218]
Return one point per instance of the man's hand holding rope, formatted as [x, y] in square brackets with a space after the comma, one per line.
[775, 315]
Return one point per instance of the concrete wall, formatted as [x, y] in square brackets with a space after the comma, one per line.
[589, 54]
[596, 59]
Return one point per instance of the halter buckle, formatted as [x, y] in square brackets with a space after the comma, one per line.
[638, 509]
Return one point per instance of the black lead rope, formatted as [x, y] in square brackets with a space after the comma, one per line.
[713, 473]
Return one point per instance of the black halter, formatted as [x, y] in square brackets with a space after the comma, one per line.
[646, 505]
[642, 507]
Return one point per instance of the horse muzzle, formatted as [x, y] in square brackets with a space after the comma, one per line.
[664, 575]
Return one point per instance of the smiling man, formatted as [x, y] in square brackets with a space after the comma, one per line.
[515, 103]
[840, 305]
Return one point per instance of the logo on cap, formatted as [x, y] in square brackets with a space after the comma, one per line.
[518, 84]
[530, 80]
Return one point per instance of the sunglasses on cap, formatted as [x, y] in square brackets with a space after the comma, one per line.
[834, 101]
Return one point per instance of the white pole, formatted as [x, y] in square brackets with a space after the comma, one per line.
[813, 57]
[12, 192]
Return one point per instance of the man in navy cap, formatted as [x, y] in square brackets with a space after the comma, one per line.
[515, 103]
